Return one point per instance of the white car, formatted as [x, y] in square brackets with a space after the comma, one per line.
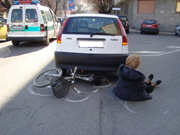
[91, 42]
[177, 30]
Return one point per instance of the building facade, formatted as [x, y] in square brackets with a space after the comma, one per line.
[166, 12]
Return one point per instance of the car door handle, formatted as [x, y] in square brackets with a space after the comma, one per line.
[26, 27]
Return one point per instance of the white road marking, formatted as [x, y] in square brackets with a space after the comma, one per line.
[126, 106]
[36, 94]
[156, 53]
[76, 101]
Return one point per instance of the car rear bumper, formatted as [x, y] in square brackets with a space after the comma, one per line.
[153, 30]
[94, 62]
[27, 38]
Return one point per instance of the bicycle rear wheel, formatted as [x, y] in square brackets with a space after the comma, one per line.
[47, 77]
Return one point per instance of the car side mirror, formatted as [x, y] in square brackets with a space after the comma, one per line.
[176, 25]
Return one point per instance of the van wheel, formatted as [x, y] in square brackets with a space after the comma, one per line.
[46, 42]
[15, 43]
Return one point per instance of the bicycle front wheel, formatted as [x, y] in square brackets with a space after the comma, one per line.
[47, 77]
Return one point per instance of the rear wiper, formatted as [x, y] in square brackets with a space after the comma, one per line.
[98, 33]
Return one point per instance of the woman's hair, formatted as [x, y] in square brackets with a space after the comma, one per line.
[133, 61]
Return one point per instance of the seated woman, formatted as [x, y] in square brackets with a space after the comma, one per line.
[131, 85]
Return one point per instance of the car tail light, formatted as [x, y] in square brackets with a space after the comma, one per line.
[42, 28]
[59, 38]
[60, 33]
[124, 40]
[124, 37]
[143, 25]
[7, 27]
[127, 23]
[155, 25]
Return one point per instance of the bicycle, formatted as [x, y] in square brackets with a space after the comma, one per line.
[49, 76]
[59, 83]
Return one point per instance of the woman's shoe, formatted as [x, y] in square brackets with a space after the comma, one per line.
[151, 76]
[158, 82]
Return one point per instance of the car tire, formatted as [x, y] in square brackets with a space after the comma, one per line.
[157, 33]
[46, 42]
[179, 34]
[127, 31]
[7, 39]
[141, 32]
[15, 43]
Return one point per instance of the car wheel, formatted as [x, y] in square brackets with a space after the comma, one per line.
[179, 34]
[141, 32]
[46, 42]
[127, 31]
[15, 43]
[7, 39]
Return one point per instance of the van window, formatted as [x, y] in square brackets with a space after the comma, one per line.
[31, 15]
[43, 15]
[16, 15]
[49, 17]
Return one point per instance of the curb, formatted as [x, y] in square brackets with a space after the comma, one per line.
[138, 31]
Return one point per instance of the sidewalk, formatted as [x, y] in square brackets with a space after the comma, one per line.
[138, 31]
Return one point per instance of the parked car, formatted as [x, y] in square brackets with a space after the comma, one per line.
[177, 30]
[125, 22]
[149, 26]
[91, 42]
[3, 29]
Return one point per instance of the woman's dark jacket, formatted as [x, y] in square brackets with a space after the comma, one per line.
[130, 85]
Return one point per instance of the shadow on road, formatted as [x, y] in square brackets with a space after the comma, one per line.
[23, 48]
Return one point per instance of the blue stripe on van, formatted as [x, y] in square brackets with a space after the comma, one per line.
[34, 28]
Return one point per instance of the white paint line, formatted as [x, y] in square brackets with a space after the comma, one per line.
[95, 90]
[145, 52]
[126, 106]
[36, 94]
[165, 112]
[75, 101]
[177, 47]
[169, 52]
[160, 54]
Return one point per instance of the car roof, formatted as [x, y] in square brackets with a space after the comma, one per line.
[93, 15]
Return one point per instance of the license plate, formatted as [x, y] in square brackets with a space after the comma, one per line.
[148, 25]
[91, 44]
[17, 27]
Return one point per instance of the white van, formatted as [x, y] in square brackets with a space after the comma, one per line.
[29, 21]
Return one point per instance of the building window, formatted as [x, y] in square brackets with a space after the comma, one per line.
[178, 6]
[146, 6]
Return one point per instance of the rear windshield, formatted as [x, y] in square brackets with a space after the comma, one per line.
[16, 15]
[149, 22]
[90, 25]
[123, 18]
[31, 15]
